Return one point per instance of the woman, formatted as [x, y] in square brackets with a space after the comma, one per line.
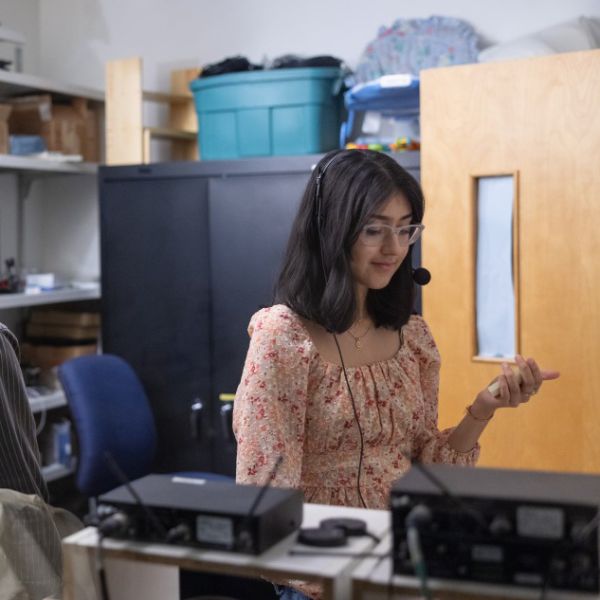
[341, 379]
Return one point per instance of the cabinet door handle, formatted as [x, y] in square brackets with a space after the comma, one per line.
[226, 411]
[197, 418]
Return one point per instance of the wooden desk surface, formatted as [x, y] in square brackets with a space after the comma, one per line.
[326, 566]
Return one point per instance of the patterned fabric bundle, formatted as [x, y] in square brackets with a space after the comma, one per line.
[410, 45]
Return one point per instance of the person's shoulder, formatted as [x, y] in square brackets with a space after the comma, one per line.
[416, 333]
[416, 323]
[277, 320]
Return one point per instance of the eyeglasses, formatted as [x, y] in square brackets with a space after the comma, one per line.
[375, 234]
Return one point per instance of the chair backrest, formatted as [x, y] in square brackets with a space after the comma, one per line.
[110, 413]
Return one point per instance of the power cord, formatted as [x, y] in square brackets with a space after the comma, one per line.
[100, 568]
[115, 523]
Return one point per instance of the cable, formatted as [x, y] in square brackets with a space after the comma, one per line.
[413, 540]
[374, 537]
[100, 568]
[338, 553]
[360, 431]
[456, 500]
[265, 487]
[390, 583]
[245, 536]
[319, 216]
[589, 528]
[419, 515]
[120, 475]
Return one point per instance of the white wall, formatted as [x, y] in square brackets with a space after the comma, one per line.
[78, 36]
[22, 16]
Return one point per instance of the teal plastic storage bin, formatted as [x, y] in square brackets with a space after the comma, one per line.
[267, 113]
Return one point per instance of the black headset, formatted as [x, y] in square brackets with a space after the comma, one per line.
[420, 276]
[318, 194]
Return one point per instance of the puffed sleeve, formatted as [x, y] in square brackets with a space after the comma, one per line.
[431, 445]
[270, 402]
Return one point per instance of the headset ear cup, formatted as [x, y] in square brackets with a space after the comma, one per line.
[324, 538]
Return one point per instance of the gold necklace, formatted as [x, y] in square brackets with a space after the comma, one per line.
[357, 339]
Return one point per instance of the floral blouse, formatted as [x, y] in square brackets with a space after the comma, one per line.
[291, 402]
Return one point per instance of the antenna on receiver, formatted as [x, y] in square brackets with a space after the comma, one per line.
[245, 536]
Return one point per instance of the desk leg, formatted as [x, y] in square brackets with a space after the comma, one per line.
[338, 589]
[126, 579]
[79, 574]
[131, 580]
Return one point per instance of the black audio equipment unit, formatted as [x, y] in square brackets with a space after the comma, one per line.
[524, 528]
[208, 514]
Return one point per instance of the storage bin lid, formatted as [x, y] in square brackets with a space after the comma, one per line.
[398, 94]
[269, 75]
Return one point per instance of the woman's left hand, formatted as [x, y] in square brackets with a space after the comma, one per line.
[511, 392]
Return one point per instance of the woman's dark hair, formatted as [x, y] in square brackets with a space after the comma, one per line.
[345, 189]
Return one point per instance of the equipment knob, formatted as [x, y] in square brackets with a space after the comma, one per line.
[581, 563]
[501, 525]
[179, 533]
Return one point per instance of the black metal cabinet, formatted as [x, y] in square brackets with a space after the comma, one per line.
[189, 252]
[250, 221]
[156, 300]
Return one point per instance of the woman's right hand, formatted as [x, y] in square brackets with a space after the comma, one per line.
[511, 389]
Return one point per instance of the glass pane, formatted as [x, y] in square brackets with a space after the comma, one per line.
[495, 294]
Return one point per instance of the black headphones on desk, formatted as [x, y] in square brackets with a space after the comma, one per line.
[332, 533]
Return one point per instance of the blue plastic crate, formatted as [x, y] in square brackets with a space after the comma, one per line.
[393, 97]
[268, 113]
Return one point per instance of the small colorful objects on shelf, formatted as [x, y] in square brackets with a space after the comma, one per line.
[400, 145]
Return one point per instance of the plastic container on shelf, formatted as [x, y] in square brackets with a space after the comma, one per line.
[384, 111]
[267, 113]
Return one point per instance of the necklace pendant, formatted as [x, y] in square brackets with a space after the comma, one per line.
[357, 344]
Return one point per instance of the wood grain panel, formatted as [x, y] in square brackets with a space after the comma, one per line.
[182, 115]
[124, 144]
[539, 117]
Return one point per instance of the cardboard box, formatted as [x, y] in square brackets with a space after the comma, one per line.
[62, 332]
[64, 317]
[68, 128]
[5, 110]
[48, 356]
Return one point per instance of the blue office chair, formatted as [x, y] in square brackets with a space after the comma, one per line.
[111, 413]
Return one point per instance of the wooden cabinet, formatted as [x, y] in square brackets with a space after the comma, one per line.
[538, 119]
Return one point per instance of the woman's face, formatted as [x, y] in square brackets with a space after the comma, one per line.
[378, 253]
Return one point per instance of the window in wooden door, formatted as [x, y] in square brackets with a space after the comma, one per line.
[496, 267]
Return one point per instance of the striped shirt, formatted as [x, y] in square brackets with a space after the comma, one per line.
[19, 453]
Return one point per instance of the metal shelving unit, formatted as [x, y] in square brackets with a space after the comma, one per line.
[56, 471]
[29, 169]
[38, 167]
[18, 84]
[53, 399]
[72, 294]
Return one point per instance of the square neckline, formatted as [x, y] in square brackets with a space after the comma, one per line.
[328, 363]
